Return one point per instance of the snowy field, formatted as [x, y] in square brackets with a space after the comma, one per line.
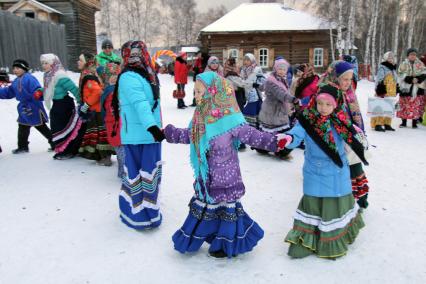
[60, 219]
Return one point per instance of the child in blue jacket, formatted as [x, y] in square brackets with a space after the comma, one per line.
[328, 218]
[27, 90]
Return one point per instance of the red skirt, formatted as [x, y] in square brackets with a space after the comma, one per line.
[411, 109]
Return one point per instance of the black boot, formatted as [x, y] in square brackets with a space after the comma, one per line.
[414, 123]
[379, 128]
[218, 254]
[180, 104]
[193, 103]
[403, 124]
[389, 128]
[20, 150]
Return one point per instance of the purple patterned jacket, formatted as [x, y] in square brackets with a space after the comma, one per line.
[225, 183]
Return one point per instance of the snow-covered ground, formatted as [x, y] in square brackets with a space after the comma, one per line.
[60, 219]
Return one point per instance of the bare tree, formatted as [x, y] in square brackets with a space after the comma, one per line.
[106, 17]
[333, 51]
[374, 37]
[381, 37]
[396, 28]
[368, 39]
[412, 12]
[350, 26]
[339, 27]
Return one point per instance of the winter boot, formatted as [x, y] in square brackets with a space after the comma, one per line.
[62, 156]
[181, 104]
[403, 124]
[242, 147]
[20, 150]
[389, 128]
[105, 162]
[218, 254]
[193, 103]
[379, 128]
[414, 123]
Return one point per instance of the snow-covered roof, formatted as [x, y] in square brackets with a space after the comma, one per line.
[35, 3]
[267, 17]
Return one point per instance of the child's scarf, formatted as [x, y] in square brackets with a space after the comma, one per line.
[319, 128]
[218, 113]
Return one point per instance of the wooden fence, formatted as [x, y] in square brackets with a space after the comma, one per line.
[28, 38]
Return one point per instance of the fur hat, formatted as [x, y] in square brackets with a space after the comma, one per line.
[21, 63]
[107, 44]
[4, 77]
[412, 50]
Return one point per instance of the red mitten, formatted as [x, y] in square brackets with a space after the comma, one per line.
[283, 140]
[38, 94]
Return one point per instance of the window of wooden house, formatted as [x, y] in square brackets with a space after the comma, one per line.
[263, 57]
[233, 53]
[318, 57]
[30, 15]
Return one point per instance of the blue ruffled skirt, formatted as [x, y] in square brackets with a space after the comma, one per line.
[225, 226]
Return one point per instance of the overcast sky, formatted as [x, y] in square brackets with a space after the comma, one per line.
[203, 5]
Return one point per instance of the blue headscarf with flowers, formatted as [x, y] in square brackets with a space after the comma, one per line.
[216, 113]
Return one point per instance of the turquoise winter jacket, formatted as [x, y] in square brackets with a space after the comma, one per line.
[136, 102]
[321, 176]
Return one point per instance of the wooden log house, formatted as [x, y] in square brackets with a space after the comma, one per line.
[269, 30]
[78, 16]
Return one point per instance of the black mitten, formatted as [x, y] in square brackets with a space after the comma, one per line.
[156, 133]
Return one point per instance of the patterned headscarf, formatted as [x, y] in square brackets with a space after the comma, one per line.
[89, 71]
[307, 77]
[50, 78]
[55, 64]
[216, 114]
[136, 56]
[107, 71]
[137, 59]
[247, 70]
[319, 127]
[231, 68]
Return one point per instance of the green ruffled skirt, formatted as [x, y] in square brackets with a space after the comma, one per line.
[324, 226]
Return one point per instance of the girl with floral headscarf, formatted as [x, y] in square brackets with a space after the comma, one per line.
[136, 102]
[217, 128]
[327, 218]
[95, 144]
[66, 125]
